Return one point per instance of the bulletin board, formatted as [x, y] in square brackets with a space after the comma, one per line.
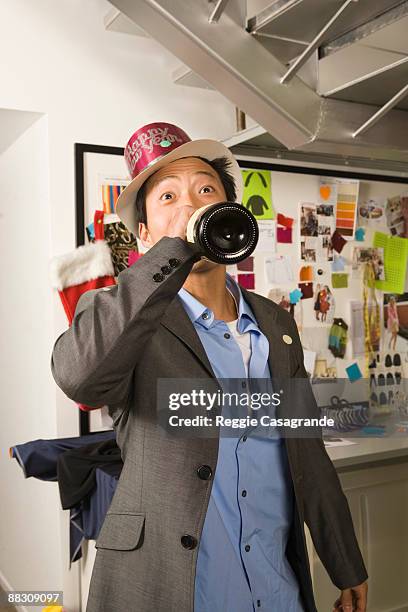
[299, 209]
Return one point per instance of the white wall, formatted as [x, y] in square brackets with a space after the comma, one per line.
[95, 87]
[29, 522]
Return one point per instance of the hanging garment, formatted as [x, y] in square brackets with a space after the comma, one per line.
[87, 517]
[39, 458]
[338, 337]
[76, 469]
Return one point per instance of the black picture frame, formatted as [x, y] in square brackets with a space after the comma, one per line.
[80, 150]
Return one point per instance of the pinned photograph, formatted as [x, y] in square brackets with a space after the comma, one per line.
[394, 214]
[308, 247]
[323, 305]
[396, 318]
[371, 213]
[309, 222]
[371, 256]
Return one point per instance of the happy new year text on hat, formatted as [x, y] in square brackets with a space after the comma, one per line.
[149, 143]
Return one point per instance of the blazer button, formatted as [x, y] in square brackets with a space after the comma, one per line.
[165, 269]
[174, 262]
[204, 472]
[188, 541]
[158, 277]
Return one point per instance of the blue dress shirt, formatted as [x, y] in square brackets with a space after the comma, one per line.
[241, 563]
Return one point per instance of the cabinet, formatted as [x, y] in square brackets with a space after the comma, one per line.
[378, 499]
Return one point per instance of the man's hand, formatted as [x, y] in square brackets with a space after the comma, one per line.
[178, 223]
[352, 600]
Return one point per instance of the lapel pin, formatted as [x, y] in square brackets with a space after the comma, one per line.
[287, 339]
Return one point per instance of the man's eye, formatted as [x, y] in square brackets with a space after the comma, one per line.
[207, 189]
[166, 196]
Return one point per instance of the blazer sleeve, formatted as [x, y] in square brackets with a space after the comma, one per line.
[94, 359]
[326, 510]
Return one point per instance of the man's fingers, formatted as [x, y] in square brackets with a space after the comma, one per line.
[360, 595]
[336, 605]
[346, 599]
[352, 600]
[179, 221]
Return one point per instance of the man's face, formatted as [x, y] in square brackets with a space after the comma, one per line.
[184, 181]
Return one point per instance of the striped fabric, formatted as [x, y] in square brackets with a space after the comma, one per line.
[110, 194]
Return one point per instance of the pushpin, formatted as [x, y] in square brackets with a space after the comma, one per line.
[287, 339]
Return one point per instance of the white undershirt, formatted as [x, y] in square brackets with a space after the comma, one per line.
[244, 342]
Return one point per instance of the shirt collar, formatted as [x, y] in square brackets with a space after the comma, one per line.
[199, 313]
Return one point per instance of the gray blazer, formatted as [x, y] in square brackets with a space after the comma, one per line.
[121, 341]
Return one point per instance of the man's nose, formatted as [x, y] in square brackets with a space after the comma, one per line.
[191, 200]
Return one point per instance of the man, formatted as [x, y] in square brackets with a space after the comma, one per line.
[203, 524]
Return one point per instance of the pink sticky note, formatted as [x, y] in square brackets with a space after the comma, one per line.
[247, 281]
[246, 265]
[133, 256]
[284, 234]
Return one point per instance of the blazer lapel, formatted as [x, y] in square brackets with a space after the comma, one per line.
[178, 322]
[271, 325]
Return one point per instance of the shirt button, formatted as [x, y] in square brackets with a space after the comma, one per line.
[205, 315]
[174, 262]
[158, 277]
[165, 269]
[227, 335]
[243, 384]
[258, 603]
[188, 541]
[244, 438]
[244, 493]
[247, 548]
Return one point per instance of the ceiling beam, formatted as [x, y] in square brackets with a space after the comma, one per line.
[359, 33]
[232, 61]
[314, 45]
[241, 69]
[382, 112]
[217, 11]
